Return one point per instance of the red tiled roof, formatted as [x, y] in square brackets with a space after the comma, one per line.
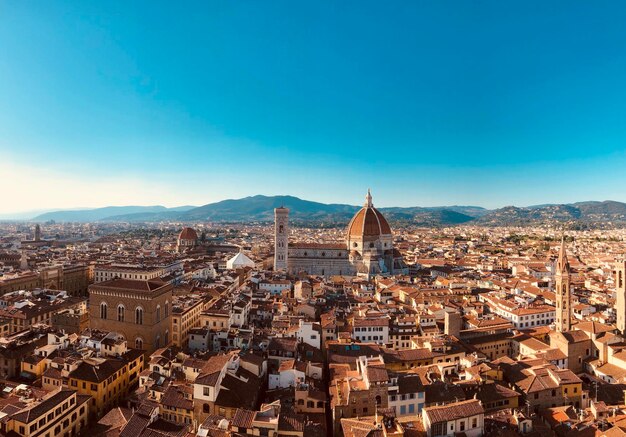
[454, 411]
[368, 222]
[188, 234]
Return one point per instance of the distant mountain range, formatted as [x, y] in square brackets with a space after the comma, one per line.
[261, 209]
[103, 214]
[589, 214]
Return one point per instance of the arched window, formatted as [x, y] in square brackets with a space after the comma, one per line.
[103, 310]
[167, 337]
[120, 313]
[158, 313]
[138, 343]
[139, 316]
[378, 400]
[157, 341]
[167, 309]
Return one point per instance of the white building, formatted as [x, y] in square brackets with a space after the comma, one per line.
[309, 333]
[459, 417]
[289, 374]
[371, 329]
[522, 316]
[275, 287]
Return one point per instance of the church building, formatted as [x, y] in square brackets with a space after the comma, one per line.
[367, 250]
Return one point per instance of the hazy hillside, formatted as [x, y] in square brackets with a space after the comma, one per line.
[261, 209]
[582, 213]
[92, 215]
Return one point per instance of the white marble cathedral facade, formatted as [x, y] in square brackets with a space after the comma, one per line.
[367, 250]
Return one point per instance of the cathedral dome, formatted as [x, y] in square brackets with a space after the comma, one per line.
[368, 222]
[188, 234]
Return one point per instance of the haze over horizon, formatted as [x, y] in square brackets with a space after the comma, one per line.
[28, 215]
[146, 104]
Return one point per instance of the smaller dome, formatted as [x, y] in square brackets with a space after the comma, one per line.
[188, 234]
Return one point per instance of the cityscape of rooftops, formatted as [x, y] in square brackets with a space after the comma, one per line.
[361, 219]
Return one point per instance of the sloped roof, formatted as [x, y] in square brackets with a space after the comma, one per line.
[454, 411]
[239, 260]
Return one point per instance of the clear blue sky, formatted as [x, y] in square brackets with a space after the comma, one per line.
[486, 103]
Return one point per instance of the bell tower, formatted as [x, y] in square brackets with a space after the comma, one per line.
[281, 238]
[23, 261]
[620, 295]
[563, 292]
